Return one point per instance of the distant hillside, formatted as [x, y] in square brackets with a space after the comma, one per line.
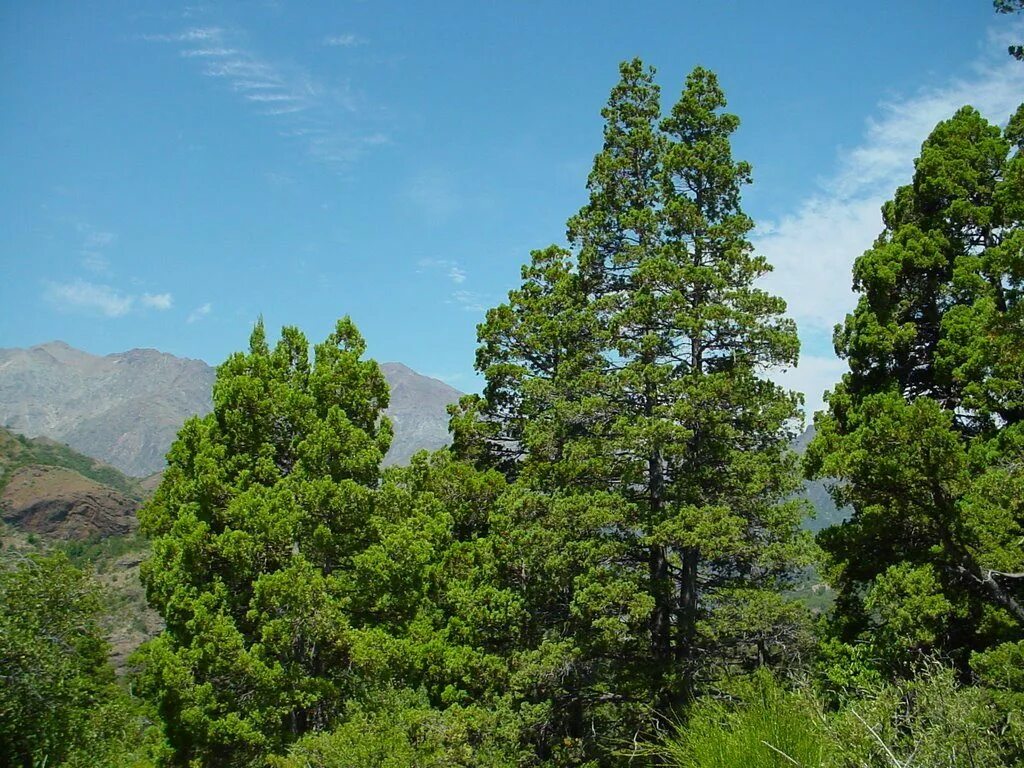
[20, 451]
[124, 409]
[816, 491]
[127, 408]
[52, 497]
[48, 489]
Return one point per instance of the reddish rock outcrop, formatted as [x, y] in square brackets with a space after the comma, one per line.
[58, 502]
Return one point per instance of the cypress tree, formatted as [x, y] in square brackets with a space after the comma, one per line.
[626, 388]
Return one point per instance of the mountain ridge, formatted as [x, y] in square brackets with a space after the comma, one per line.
[125, 408]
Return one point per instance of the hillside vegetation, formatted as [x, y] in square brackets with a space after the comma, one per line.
[603, 569]
[19, 451]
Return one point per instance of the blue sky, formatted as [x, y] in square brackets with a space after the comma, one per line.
[169, 172]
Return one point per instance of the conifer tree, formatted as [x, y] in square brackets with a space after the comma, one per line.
[307, 593]
[264, 506]
[625, 382]
[925, 432]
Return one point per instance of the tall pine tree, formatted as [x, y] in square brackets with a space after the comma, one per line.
[626, 393]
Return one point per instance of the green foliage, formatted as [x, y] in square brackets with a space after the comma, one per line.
[296, 580]
[59, 702]
[928, 721]
[651, 460]
[926, 431]
[255, 528]
[399, 729]
[1000, 671]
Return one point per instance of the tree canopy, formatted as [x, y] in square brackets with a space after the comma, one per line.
[925, 432]
[626, 398]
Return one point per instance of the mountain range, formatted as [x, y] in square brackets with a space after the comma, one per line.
[126, 408]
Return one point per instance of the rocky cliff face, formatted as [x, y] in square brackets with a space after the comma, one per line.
[60, 503]
[126, 408]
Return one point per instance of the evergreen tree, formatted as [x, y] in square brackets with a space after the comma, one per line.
[625, 394]
[925, 432]
[302, 587]
[59, 701]
[263, 509]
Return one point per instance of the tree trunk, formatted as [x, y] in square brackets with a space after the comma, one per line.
[686, 622]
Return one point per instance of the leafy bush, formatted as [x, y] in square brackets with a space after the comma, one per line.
[59, 701]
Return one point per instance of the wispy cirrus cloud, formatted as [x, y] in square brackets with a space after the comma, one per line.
[327, 119]
[470, 301]
[452, 269]
[193, 35]
[199, 313]
[160, 301]
[94, 243]
[459, 296]
[89, 298]
[814, 246]
[346, 40]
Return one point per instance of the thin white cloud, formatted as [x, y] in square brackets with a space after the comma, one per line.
[812, 377]
[161, 301]
[193, 35]
[96, 239]
[200, 312]
[327, 120]
[343, 41]
[452, 269]
[95, 262]
[205, 53]
[470, 301]
[814, 246]
[91, 298]
[93, 244]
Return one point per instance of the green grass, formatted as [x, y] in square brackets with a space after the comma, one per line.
[769, 728]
